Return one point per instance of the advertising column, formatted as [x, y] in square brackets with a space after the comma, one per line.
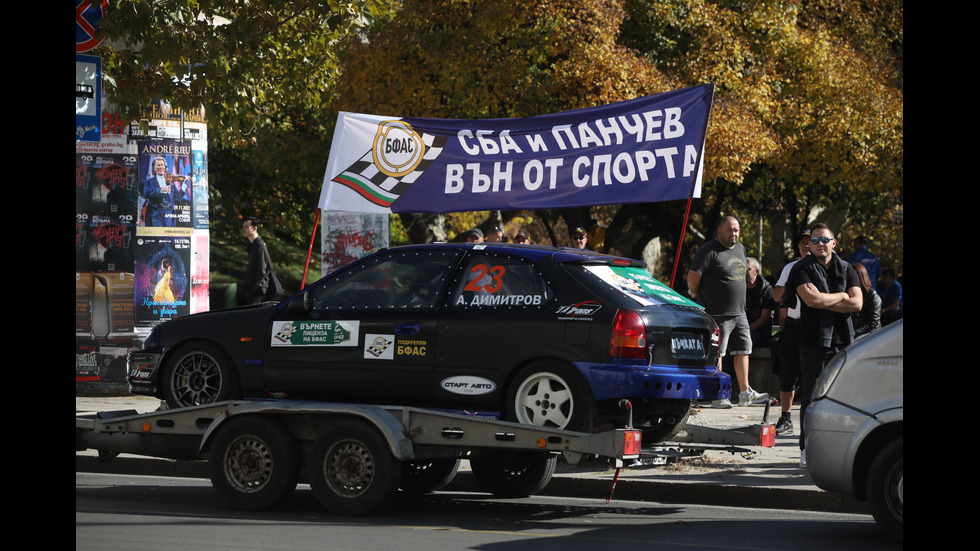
[141, 236]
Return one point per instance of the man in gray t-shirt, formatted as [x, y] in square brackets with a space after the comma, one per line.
[717, 281]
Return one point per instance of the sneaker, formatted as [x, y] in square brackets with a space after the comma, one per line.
[721, 404]
[802, 459]
[784, 426]
[752, 398]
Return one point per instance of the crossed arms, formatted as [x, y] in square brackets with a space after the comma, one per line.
[840, 303]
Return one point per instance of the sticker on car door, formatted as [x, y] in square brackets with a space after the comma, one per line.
[315, 333]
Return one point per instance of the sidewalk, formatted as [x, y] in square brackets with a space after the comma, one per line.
[765, 477]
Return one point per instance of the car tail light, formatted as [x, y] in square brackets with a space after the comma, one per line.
[629, 336]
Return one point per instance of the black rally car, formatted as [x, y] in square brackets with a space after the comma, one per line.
[539, 335]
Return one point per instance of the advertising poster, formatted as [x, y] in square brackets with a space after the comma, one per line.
[83, 300]
[102, 362]
[141, 235]
[109, 244]
[111, 305]
[106, 184]
[86, 361]
[200, 280]
[166, 176]
[199, 187]
[162, 289]
[349, 236]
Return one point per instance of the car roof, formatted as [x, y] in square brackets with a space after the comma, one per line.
[532, 252]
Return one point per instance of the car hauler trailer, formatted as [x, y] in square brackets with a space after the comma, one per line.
[356, 457]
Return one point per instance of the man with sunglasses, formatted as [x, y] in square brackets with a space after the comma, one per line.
[828, 290]
[580, 239]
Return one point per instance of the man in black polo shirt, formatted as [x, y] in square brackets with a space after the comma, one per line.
[828, 290]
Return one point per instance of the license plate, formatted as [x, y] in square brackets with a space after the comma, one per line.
[687, 343]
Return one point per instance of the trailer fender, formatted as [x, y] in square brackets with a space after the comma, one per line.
[386, 423]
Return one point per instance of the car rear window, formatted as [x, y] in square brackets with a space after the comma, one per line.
[637, 284]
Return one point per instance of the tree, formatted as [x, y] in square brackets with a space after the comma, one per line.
[252, 65]
[264, 73]
[508, 58]
[807, 113]
[818, 84]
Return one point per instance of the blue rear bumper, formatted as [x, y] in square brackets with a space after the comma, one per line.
[609, 381]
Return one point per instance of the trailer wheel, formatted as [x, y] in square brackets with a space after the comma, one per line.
[351, 469]
[422, 477]
[200, 373]
[667, 424]
[514, 474]
[254, 462]
[886, 489]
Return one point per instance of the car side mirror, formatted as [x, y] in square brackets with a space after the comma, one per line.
[299, 303]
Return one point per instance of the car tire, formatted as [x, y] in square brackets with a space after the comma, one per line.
[886, 489]
[550, 393]
[422, 477]
[668, 424]
[351, 470]
[254, 462]
[514, 474]
[199, 373]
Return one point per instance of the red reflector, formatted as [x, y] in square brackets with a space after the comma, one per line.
[621, 262]
[632, 443]
[767, 439]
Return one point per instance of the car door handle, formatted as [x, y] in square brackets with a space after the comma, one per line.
[407, 329]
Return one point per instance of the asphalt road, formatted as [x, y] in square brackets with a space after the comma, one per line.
[118, 512]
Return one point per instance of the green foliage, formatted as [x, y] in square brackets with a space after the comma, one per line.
[807, 119]
[808, 112]
[264, 73]
[252, 65]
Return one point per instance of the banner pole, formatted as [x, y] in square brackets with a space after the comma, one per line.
[309, 252]
[680, 242]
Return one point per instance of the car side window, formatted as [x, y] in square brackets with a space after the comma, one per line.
[496, 280]
[404, 279]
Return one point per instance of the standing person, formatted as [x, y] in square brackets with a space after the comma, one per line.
[828, 290]
[891, 297]
[868, 320]
[788, 347]
[717, 281]
[474, 236]
[495, 235]
[867, 258]
[759, 303]
[596, 235]
[258, 274]
[522, 238]
[158, 193]
[580, 239]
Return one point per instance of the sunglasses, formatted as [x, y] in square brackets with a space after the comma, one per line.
[824, 240]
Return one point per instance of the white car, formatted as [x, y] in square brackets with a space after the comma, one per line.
[854, 431]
